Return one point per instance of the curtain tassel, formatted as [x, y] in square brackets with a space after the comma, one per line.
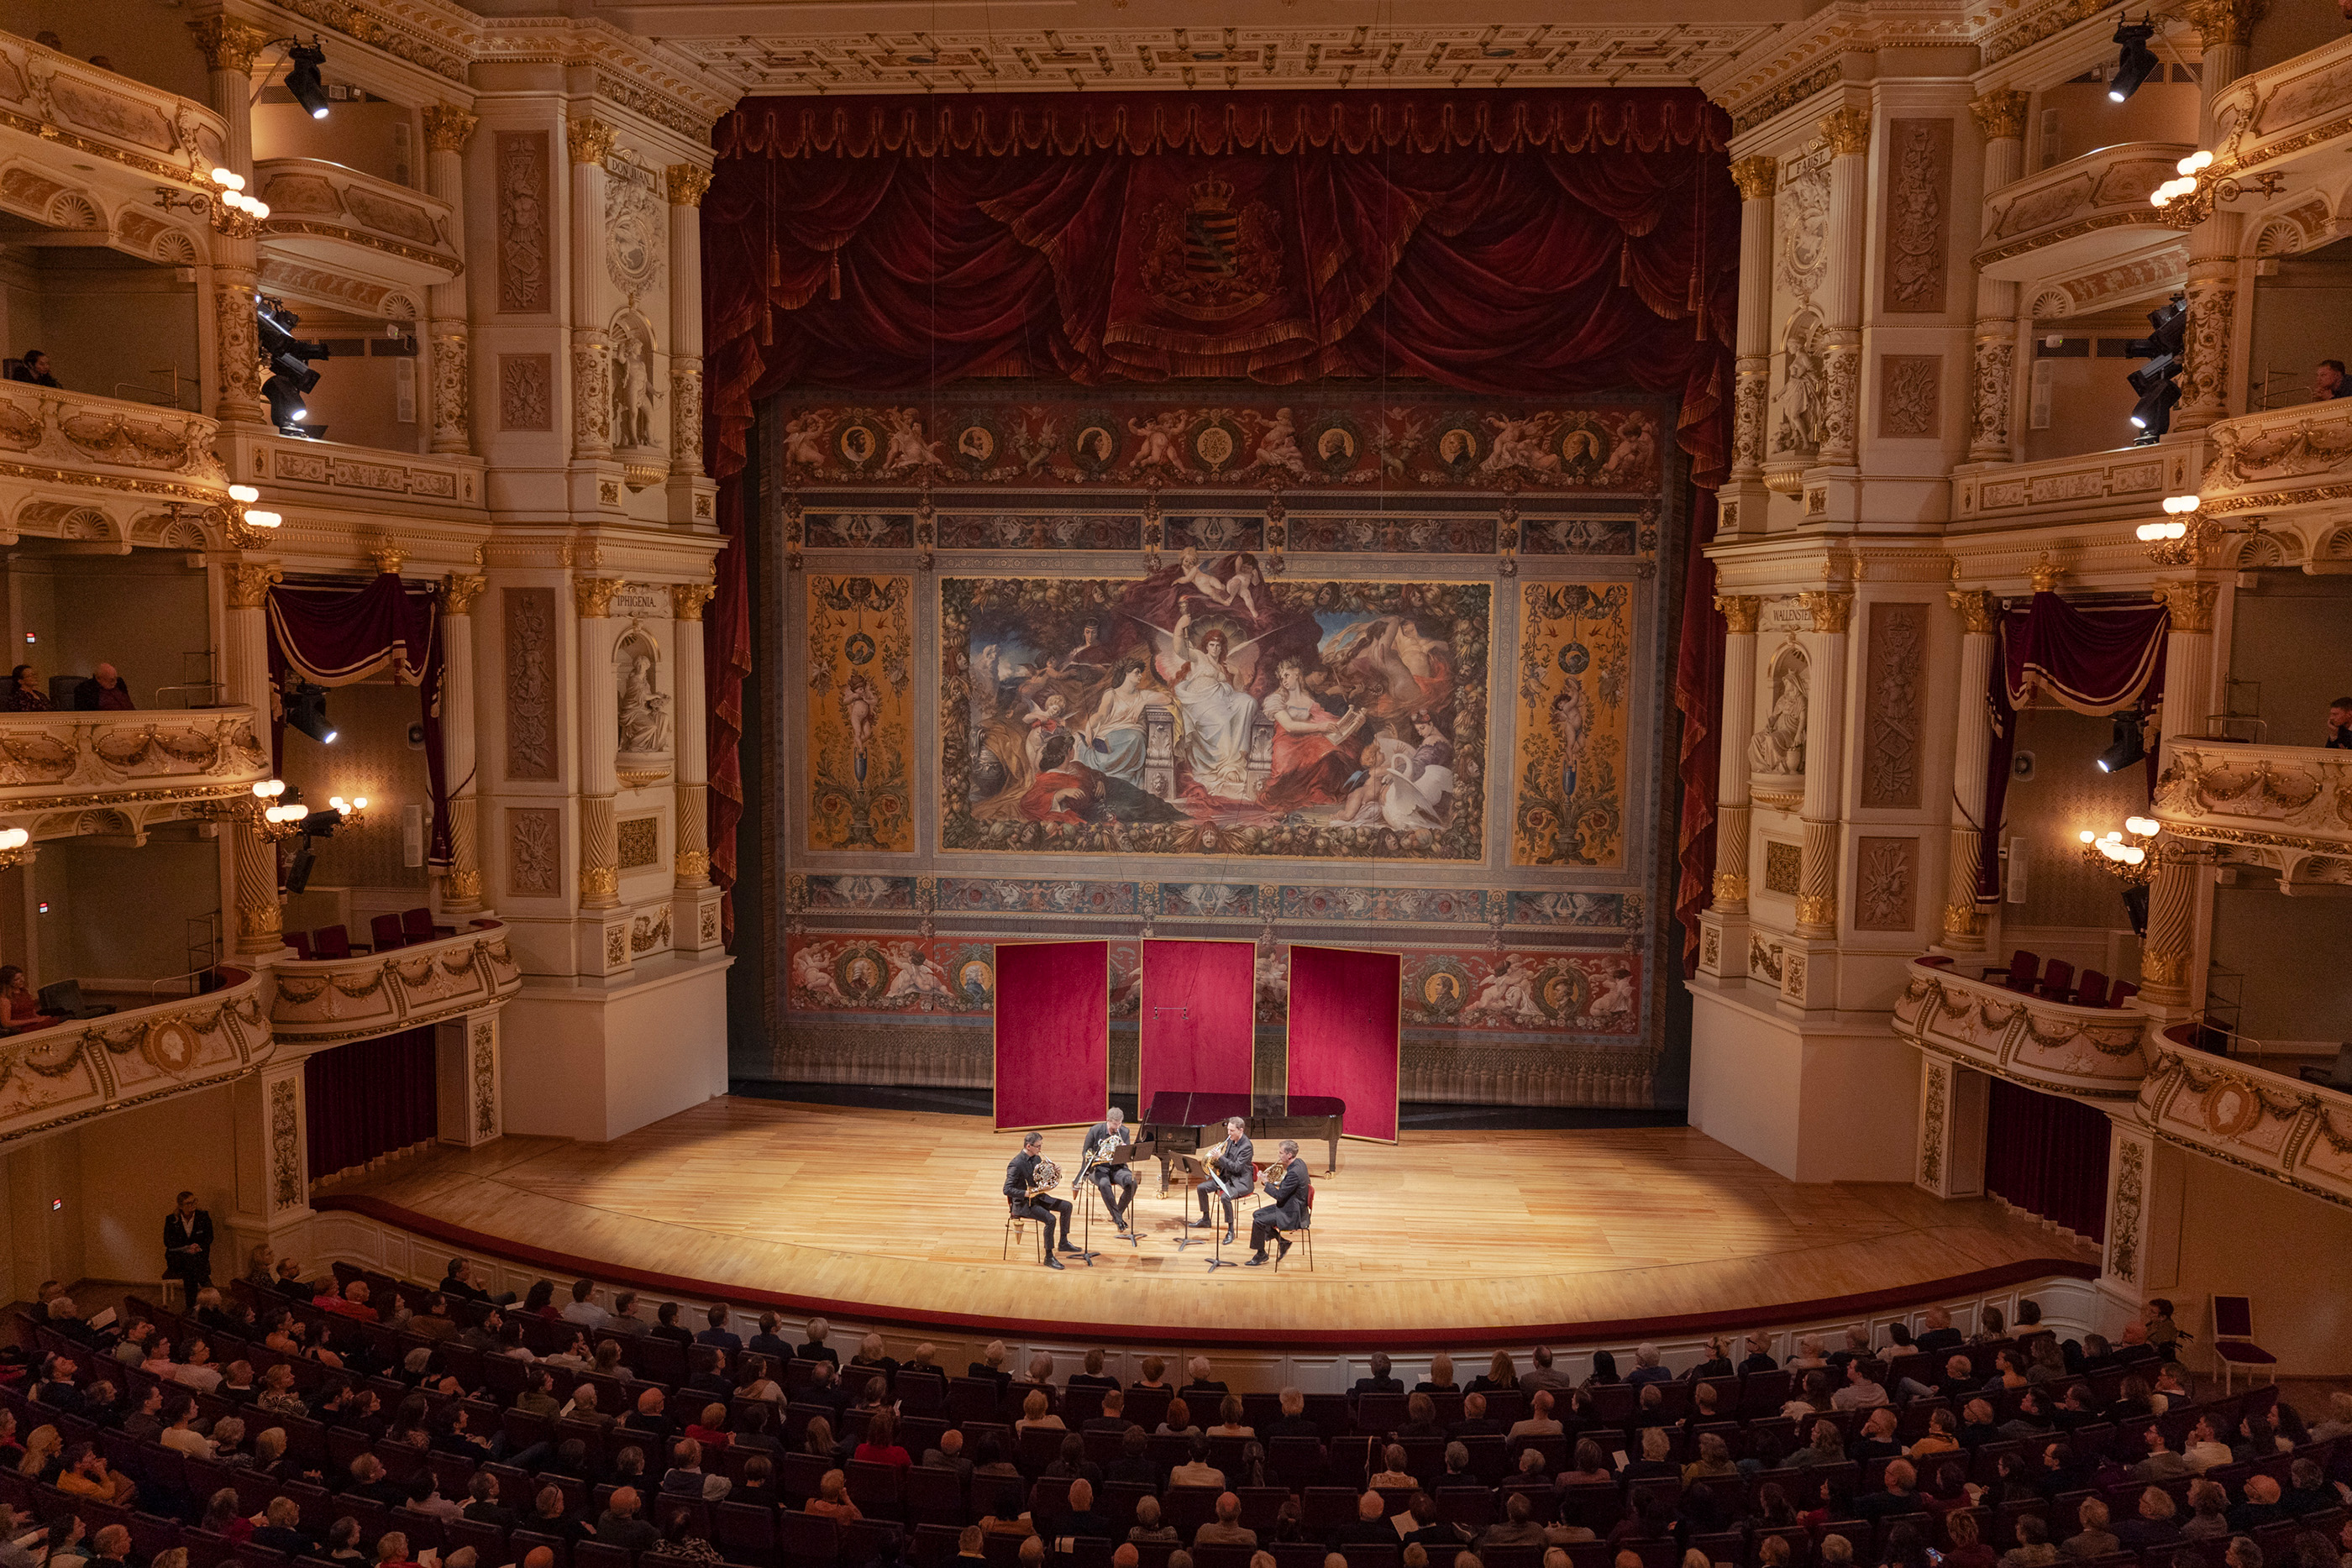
[1624, 262]
[776, 267]
[834, 292]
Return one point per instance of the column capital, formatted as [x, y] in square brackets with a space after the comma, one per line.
[1818, 909]
[448, 128]
[1740, 612]
[1729, 887]
[2222, 21]
[2189, 603]
[1999, 115]
[227, 43]
[687, 183]
[594, 596]
[1830, 611]
[1980, 614]
[1757, 177]
[1848, 131]
[591, 141]
[462, 589]
[687, 599]
[248, 584]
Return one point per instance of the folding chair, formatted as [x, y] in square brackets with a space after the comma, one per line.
[2233, 1340]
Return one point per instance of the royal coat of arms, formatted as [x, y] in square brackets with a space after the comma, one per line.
[1209, 259]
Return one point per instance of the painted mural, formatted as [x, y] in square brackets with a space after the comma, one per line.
[1575, 678]
[1321, 904]
[861, 643]
[891, 973]
[1204, 709]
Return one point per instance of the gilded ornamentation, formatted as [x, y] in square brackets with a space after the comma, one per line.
[599, 883]
[616, 944]
[591, 396]
[2205, 377]
[486, 1080]
[1817, 909]
[589, 140]
[464, 886]
[461, 590]
[1757, 177]
[1792, 975]
[1783, 866]
[648, 932]
[2123, 1212]
[2224, 22]
[285, 1148]
[227, 43]
[1962, 923]
[1830, 610]
[1996, 361]
[692, 868]
[452, 400]
[1932, 1115]
[687, 183]
[1841, 372]
[2046, 573]
[2188, 604]
[389, 558]
[448, 128]
[1978, 610]
[2160, 969]
[1847, 131]
[1999, 115]
[687, 599]
[1739, 612]
[1748, 414]
[248, 585]
[1730, 888]
[593, 596]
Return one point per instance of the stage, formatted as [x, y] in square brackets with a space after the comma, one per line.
[898, 1216]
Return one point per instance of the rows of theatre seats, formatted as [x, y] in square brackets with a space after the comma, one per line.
[385, 932]
[922, 1511]
[2057, 982]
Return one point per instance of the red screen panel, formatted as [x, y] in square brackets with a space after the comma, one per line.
[1197, 1020]
[1053, 1033]
[1346, 1013]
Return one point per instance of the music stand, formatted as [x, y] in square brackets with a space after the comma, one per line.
[1121, 1158]
[1198, 1169]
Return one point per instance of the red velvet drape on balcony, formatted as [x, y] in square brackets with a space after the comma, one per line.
[369, 1098]
[2048, 1155]
[1513, 244]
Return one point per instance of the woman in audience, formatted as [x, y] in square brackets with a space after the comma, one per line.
[1942, 1435]
[709, 1429]
[269, 1452]
[1809, 1354]
[343, 1542]
[2032, 1549]
[1906, 1548]
[43, 1454]
[1604, 1370]
[1070, 1462]
[1251, 1472]
[2132, 1401]
[1155, 1375]
[1713, 1459]
[1772, 1552]
[224, 1516]
[991, 1461]
[228, 1443]
[20, 1011]
[1500, 1376]
[1969, 1550]
[2044, 1361]
[1229, 1419]
[1421, 1417]
[1440, 1376]
[833, 1499]
[2209, 1508]
[1178, 1422]
[539, 1301]
[1035, 1411]
[1773, 1508]
[1393, 1473]
[1588, 1466]
[1652, 1518]
[11, 1451]
[326, 1353]
[751, 1430]
[1808, 1398]
[881, 1445]
[759, 1382]
[1828, 1448]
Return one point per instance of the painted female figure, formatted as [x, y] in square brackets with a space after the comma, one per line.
[1110, 740]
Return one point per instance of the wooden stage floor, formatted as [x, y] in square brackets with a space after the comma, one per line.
[1469, 1232]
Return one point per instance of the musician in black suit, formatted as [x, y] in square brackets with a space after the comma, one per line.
[1285, 1185]
[1020, 1182]
[188, 1245]
[1116, 1182]
[1233, 1168]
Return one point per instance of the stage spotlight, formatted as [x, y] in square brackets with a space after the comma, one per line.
[306, 710]
[298, 869]
[2136, 63]
[2157, 380]
[302, 79]
[2126, 747]
[291, 372]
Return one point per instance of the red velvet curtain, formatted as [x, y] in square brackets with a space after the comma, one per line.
[2048, 1155]
[1346, 1017]
[333, 636]
[1053, 1033]
[369, 1098]
[1529, 244]
[1197, 1023]
[2092, 659]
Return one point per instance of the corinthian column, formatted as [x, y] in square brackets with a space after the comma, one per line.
[2000, 119]
[693, 858]
[2224, 29]
[447, 129]
[1848, 134]
[590, 141]
[1817, 872]
[461, 887]
[600, 729]
[1963, 924]
[1740, 612]
[1757, 178]
[2166, 953]
[230, 47]
[245, 671]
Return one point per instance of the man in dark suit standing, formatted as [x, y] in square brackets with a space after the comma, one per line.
[1286, 1187]
[1019, 1183]
[188, 1245]
[1116, 1182]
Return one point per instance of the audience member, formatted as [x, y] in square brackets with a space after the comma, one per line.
[2327, 379]
[2339, 737]
[33, 370]
[104, 690]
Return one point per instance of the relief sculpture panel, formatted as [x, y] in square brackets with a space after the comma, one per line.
[861, 645]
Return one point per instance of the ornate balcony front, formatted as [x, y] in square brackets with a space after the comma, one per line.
[2093, 1053]
[2294, 112]
[328, 1000]
[353, 224]
[2128, 484]
[368, 481]
[2287, 809]
[2293, 467]
[2088, 212]
[2284, 1128]
[75, 466]
[63, 774]
[55, 1076]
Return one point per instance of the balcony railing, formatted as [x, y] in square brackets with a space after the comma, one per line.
[340, 218]
[74, 438]
[2289, 110]
[2086, 212]
[2097, 1054]
[2292, 1130]
[75, 1070]
[148, 131]
[330, 999]
[2286, 807]
[2290, 464]
[368, 478]
[2127, 482]
[68, 762]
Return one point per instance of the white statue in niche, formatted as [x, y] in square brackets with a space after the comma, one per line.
[1799, 429]
[1777, 747]
[634, 424]
[644, 711]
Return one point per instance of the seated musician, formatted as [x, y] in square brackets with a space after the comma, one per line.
[1233, 1173]
[1285, 1185]
[1116, 1182]
[1034, 1200]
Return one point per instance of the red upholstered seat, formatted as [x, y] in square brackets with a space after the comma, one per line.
[2058, 980]
[2233, 1341]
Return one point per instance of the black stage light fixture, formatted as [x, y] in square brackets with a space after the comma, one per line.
[306, 710]
[298, 869]
[2128, 747]
[2156, 381]
[291, 371]
[302, 79]
[2136, 63]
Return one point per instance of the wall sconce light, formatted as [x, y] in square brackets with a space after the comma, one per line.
[14, 846]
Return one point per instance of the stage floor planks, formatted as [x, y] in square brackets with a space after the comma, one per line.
[1447, 1230]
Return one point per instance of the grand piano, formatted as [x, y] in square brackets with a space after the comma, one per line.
[1184, 1121]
